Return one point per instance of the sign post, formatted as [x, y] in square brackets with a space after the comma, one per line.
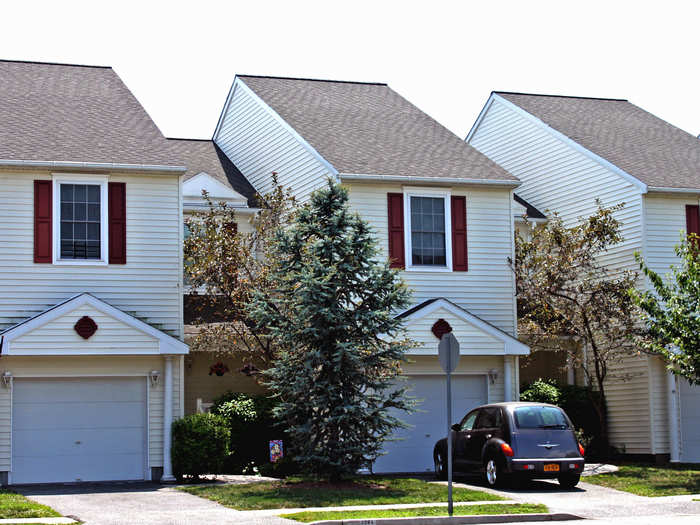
[448, 354]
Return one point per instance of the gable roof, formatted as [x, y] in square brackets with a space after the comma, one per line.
[511, 345]
[644, 146]
[57, 114]
[167, 343]
[205, 156]
[369, 129]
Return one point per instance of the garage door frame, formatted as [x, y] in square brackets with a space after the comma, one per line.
[147, 401]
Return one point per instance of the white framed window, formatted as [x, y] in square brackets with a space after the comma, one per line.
[80, 227]
[427, 229]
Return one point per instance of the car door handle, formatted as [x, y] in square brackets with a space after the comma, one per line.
[488, 436]
[469, 436]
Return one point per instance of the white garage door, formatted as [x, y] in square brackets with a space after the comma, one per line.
[690, 422]
[78, 429]
[414, 451]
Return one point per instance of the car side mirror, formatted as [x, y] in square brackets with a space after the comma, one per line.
[456, 427]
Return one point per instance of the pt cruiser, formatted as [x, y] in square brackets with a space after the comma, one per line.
[505, 441]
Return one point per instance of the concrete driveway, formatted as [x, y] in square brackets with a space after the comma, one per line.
[139, 503]
[593, 501]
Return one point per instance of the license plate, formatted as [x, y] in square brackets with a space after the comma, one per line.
[552, 467]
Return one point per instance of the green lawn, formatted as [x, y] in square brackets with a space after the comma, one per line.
[460, 510]
[296, 493]
[647, 480]
[14, 505]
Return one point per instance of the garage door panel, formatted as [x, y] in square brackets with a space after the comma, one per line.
[413, 452]
[46, 416]
[690, 422]
[83, 468]
[70, 442]
[74, 390]
[81, 429]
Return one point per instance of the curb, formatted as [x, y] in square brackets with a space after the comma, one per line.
[454, 520]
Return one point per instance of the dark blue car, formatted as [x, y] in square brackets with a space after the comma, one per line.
[506, 441]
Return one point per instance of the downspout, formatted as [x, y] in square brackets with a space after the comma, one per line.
[507, 378]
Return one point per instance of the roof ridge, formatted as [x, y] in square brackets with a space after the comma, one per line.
[316, 80]
[52, 63]
[559, 96]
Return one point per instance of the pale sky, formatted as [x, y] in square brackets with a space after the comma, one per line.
[179, 58]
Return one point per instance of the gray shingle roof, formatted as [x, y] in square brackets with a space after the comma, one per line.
[205, 156]
[634, 140]
[368, 129]
[68, 113]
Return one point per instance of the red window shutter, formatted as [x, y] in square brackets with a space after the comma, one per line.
[459, 233]
[116, 209]
[397, 254]
[43, 221]
[692, 219]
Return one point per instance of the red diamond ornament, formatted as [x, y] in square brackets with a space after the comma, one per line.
[85, 327]
[440, 328]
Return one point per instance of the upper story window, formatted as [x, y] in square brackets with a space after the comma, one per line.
[80, 221]
[428, 230]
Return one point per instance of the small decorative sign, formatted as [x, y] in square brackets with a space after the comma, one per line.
[276, 450]
[85, 327]
[219, 369]
[440, 328]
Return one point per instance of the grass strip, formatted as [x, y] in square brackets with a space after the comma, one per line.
[460, 510]
[652, 481]
[13, 505]
[299, 493]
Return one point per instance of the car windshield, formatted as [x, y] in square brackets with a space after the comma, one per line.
[540, 417]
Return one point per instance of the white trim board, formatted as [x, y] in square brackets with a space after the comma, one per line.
[558, 135]
[510, 344]
[167, 344]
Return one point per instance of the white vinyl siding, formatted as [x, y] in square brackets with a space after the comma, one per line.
[556, 176]
[665, 223]
[252, 136]
[148, 286]
[486, 289]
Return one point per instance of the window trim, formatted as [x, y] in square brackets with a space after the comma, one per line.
[97, 180]
[446, 195]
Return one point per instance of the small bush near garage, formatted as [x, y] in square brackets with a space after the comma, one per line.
[576, 402]
[200, 445]
[252, 427]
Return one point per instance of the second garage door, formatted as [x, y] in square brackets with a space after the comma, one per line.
[690, 422]
[414, 451]
[79, 429]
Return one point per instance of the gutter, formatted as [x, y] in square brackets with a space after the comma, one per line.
[434, 180]
[662, 189]
[53, 164]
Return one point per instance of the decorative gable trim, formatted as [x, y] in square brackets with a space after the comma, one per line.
[239, 83]
[167, 344]
[558, 135]
[511, 345]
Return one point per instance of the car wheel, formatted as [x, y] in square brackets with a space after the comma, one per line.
[569, 481]
[440, 465]
[493, 473]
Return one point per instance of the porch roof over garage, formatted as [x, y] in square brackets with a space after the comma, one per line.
[476, 336]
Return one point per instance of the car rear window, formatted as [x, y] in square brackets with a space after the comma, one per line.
[540, 417]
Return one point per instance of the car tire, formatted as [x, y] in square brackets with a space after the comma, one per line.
[569, 481]
[494, 474]
[440, 465]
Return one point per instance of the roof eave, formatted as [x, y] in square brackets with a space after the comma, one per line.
[106, 166]
[664, 189]
[360, 177]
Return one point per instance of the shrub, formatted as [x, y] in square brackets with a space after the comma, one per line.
[200, 445]
[252, 426]
[541, 391]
